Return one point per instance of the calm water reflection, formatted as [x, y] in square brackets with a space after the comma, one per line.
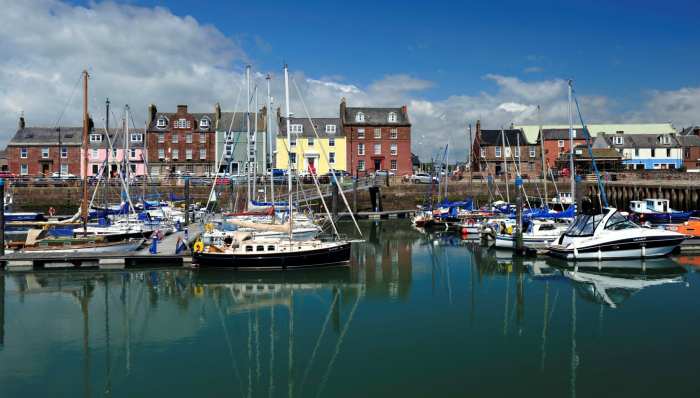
[414, 315]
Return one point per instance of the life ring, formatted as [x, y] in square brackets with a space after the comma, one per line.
[209, 227]
[52, 211]
[198, 246]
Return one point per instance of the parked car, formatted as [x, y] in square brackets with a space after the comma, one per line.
[422, 178]
[7, 174]
[65, 176]
[383, 173]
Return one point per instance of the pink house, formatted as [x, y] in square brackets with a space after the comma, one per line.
[100, 154]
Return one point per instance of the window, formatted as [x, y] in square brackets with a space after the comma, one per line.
[95, 169]
[136, 137]
[331, 157]
[44, 153]
[653, 152]
[561, 143]
[394, 134]
[533, 152]
[162, 122]
[361, 165]
[392, 117]
[498, 151]
[297, 128]
[202, 138]
[176, 154]
[161, 137]
[175, 138]
[360, 117]
[636, 152]
[393, 164]
[311, 141]
[23, 169]
[618, 140]
[271, 248]
[331, 141]
[664, 139]
[64, 168]
[360, 149]
[293, 158]
[377, 134]
[204, 124]
[95, 137]
[182, 124]
[94, 153]
[228, 150]
[132, 153]
[188, 154]
[188, 138]
[483, 152]
[686, 152]
[517, 152]
[377, 149]
[394, 149]
[361, 133]
[507, 152]
[64, 152]
[668, 152]
[249, 248]
[330, 128]
[23, 153]
[132, 167]
[161, 153]
[202, 154]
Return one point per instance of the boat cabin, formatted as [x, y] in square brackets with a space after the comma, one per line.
[650, 206]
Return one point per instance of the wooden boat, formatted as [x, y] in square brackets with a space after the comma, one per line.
[38, 242]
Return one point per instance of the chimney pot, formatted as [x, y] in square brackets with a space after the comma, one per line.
[21, 123]
[182, 109]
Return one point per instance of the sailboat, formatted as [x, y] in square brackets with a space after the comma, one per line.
[247, 251]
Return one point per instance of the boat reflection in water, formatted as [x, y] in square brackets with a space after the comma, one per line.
[617, 281]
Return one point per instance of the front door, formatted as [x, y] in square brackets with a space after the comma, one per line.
[45, 169]
[377, 164]
[312, 165]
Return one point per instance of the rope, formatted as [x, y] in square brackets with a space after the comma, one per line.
[601, 188]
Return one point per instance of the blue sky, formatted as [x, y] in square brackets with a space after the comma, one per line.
[617, 48]
[451, 63]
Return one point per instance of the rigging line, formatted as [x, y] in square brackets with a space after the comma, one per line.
[325, 158]
[601, 188]
[70, 100]
[318, 342]
[324, 380]
[517, 169]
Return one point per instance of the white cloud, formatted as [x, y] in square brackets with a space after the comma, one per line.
[140, 55]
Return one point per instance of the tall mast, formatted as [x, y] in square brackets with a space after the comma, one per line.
[125, 157]
[269, 138]
[471, 148]
[86, 128]
[247, 122]
[254, 144]
[289, 152]
[505, 163]
[105, 169]
[544, 168]
[572, 171]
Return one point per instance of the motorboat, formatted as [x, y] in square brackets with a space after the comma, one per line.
[658, 211]
[538, 234]
[610, 235]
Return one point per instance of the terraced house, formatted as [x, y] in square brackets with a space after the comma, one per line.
[497, 151]
[233, 154]
[317, 145]
[645, 151]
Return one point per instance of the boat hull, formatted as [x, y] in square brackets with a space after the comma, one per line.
[620, 249]
[508, 241]
[97, 249]
[329, 256]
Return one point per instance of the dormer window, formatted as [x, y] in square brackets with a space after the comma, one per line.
[296, 128]
[204, 124]
[619, 140]
[162, 122]
[95, 137]
[360, 117]
[136, 137]
[330, 128]
[664, 139]
[392, 117]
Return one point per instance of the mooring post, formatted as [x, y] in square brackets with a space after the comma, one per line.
[519, 215]
[187, 200]
[334, 199]
[2, 217]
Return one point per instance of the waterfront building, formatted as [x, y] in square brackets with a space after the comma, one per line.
[377, 139]
[492, 153]
[4, 166]
[307, 149]
[41, 151]
[232, 154]
[181, 142]
[645, 151]
[531, 131]
[691, 151]
[557, 144]
[99, 152]
[606, 159]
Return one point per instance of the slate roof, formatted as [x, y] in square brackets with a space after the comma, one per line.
[376, 116]
[692, 130]
[598, 153]
[319, 122]
[563, 134]
[30, 136]
[688, 140]
[494, 137]
[239, 121]
[117, 139]
[171, 116]
[642, 141]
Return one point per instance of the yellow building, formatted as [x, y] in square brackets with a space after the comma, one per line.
[309, 149]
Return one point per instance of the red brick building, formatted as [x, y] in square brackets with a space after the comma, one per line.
[556, 142]
[377, 139]
[492, 153]
[35, 151]
[691, 151]
[181, 141]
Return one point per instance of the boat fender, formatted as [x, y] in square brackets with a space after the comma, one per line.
[198, 246]
[52, 211]
[509, 230]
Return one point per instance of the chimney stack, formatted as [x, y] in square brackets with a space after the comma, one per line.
[152, 113]
[20, 123]
[217, 114]
[182, 109]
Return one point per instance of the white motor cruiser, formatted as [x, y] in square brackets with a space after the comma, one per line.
[609, 236]
[539, 234]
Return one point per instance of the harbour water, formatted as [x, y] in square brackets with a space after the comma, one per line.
[414, 315]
